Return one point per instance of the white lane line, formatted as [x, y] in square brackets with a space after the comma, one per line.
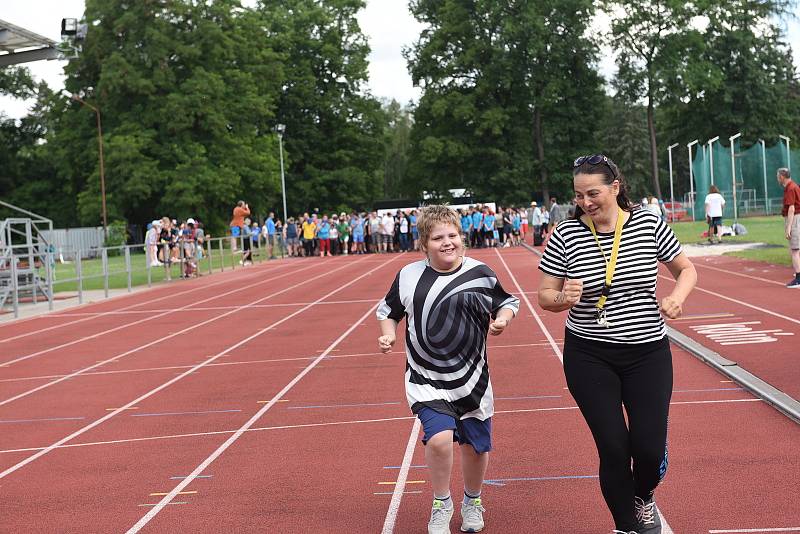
[779, 529]
[665, 528]
[165, 385]
[698, 264]
[236, 435]
[329, 423]
[720, 295]
[201, 287]
[158, 341]
[402, 476]
[244, 362]
[204, 308]
[144, 320]
[545, 331]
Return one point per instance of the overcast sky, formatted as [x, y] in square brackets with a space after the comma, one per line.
[387, 23]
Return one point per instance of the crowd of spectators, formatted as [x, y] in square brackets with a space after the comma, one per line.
[320, 234]
[170, 241]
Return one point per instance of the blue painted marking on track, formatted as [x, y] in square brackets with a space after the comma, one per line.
[503, 481]
[400, 466]
[340, 405]
[181, 413]
[38, 420]
[701, 390]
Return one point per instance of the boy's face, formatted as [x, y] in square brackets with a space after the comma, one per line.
[444, 247]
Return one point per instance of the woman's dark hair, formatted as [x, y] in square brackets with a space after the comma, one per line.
[713, 189]
[610, 172]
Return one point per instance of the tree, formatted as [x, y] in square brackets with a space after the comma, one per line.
[334, 128]
[749, 83]
[650, 38]
[186, 92]
[507, 89]
[397, 138]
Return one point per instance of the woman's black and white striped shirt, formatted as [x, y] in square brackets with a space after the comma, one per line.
[631, 308]
[447, 319]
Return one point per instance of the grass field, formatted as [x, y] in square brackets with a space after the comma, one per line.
[767, 230]
[92, 271]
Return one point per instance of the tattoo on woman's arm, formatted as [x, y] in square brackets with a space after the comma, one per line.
[559, 298]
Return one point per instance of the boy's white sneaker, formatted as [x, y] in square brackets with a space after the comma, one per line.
[440, 518]
[472, 516]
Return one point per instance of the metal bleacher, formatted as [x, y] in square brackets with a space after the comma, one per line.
[26, 269]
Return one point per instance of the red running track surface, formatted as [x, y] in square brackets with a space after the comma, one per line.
[324, 456]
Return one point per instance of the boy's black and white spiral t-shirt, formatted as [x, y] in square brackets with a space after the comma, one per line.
[632, 309]
[447, 320]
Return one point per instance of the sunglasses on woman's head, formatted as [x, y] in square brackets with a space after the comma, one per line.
[597, 159]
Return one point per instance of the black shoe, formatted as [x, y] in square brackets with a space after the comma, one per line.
[647, 516]
[794, 284]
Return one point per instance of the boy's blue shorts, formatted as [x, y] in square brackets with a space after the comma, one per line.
[473, 431]
[236, 231]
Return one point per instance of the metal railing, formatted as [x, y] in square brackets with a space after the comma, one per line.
[129, 266]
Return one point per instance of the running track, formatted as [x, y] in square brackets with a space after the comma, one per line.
[255, 401]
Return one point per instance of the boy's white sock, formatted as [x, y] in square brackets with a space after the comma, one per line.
[469, 496]
[447, 502]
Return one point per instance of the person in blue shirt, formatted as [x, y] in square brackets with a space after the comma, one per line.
[414, 231]
[466, 224]
[476, 237]
[270, 224]
[516, 224]
[255, 234]
[323, 236]
[488, 227]
[357, 229]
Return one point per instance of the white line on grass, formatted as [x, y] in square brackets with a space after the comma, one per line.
[236, 435]
[152, 392]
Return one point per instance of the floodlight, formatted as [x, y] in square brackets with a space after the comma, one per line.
[69, 26]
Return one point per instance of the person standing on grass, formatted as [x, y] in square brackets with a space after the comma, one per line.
[791, 214]
[241, 211]
[450, 303]
[715, 203]
[602, 266]
[270, 235]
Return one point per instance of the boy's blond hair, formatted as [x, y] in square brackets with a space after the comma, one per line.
[430, 216]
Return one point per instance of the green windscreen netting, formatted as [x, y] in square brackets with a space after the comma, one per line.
[753, 173]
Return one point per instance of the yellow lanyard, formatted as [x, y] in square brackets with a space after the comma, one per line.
[611, 264]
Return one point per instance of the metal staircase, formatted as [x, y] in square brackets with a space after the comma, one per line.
[26, 258]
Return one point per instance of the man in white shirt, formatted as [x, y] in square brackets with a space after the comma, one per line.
[715, 203]
[387, 231]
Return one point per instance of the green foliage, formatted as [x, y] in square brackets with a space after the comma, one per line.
[333, 130]
[117, 234]
[505, 87]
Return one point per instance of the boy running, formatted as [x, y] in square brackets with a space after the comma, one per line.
[450, 303]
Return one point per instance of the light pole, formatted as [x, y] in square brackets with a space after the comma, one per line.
[280, 129]
[711, 157]
[732, 139]
[102, 165]
[764, 169]
[691, 176]
[671, 188]
[788, 153]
